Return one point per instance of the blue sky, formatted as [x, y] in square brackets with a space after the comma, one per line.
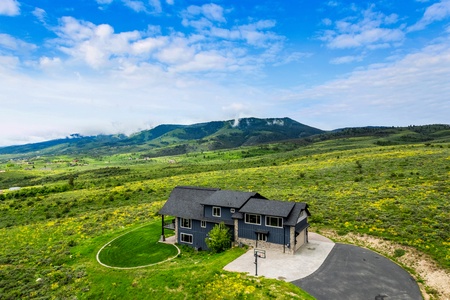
[120, 66]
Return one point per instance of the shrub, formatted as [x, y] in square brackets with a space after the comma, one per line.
[219, 238]
[399, 252]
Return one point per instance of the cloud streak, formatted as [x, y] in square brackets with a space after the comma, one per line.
[436, 12]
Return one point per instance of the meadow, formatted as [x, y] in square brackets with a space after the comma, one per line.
[68, 207]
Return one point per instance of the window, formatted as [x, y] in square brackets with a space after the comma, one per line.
[253, 219]
[261, 237]
[186, 238]
[185, 223]
[216, 211]
[274, 221]
[203, 224]
[232, 210]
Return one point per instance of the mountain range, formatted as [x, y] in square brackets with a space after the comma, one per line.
[170, 139]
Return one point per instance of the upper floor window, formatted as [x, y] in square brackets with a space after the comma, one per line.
[216, 211]
[203, 224]
[185, 223]
[253, 219]
[274, 221]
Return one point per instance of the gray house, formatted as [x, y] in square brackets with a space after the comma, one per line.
[252, 219]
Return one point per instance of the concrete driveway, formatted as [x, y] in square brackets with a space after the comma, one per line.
[283, 266]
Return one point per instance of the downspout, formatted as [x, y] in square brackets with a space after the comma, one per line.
[284, 239]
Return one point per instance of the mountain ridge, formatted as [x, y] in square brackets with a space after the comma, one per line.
[175, 139]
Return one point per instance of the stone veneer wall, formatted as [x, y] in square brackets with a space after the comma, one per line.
[176, 230]
[265, 245]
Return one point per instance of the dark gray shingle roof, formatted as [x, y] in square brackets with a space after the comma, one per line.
[268, 207]
[185, 202]
[227, 198]
[293, 217]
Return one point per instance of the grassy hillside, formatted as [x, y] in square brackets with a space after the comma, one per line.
[68, 207]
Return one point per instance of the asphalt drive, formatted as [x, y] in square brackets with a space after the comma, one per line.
[350, 272]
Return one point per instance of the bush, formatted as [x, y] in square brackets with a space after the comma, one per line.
[219, 238]
[399, 252]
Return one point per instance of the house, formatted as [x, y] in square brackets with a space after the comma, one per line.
[252, 219]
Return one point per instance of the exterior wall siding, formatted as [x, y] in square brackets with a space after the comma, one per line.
[283, 239]
[225, 213]
[276, 235]
[199, 234]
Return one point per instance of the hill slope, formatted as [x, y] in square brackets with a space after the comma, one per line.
[174, 139]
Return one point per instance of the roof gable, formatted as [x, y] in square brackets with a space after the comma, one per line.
[268, 207]
[293, 217]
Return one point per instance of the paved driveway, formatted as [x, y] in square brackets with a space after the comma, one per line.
[283, 266]
[350, 272]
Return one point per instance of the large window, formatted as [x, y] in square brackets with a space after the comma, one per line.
[216, 211]
[186, 238]
[274, 221]
[185, 223]
[253, 219]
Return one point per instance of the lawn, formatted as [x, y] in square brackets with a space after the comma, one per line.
[139, 247]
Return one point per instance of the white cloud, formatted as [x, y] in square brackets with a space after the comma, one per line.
[436, 12]
[137, 6]
[10, 43]
[368, 30]
[9, 8]
[95, 45]
[212, 12]
[40, 14]
[243, 47]
[156, 5]
[413, 89]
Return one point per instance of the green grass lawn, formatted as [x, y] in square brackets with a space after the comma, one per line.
[139, 247]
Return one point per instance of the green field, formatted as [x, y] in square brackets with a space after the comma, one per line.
[69, 207]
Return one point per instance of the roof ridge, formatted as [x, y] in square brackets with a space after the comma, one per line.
[196, 188]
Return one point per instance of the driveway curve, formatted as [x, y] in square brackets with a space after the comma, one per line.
[351, 272]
